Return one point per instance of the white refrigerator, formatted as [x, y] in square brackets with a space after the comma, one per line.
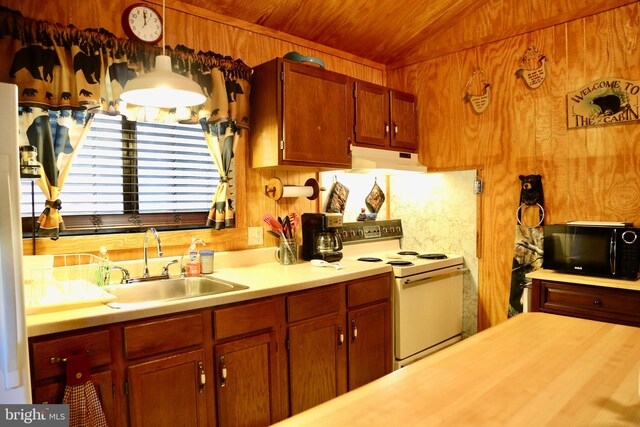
[14, 357]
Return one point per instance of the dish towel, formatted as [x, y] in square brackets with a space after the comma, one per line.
[80, 394]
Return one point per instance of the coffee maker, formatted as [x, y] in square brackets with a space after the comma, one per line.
[321, 236]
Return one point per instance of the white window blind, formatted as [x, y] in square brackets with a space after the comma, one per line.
[135, 167]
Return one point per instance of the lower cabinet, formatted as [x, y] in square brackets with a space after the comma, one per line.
[246, 364]
[339, 338]
[169, 391]
[609, 304]
[244, 372]
[369, 344]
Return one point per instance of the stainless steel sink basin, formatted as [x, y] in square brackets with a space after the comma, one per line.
[153, 291]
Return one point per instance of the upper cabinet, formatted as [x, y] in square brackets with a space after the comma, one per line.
[301, 116]
[384, 118]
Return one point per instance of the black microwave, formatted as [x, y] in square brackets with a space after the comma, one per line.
[593, 249]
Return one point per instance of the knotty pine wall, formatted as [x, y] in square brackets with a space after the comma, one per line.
[199, 29]
[588, 174]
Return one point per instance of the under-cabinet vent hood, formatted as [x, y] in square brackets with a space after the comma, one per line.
[384, 161]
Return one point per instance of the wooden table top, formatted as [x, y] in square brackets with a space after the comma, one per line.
[536, 369]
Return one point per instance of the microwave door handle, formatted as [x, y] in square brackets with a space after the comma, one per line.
[612, 251]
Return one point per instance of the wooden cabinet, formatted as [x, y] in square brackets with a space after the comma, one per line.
[301, 116]
[385, 118]
[369, 320]
[166, 371]
[247, 363]
[317, 347]
[48, 367]
[607, 304]
[229, 365]
[168, 391]
[339, 339]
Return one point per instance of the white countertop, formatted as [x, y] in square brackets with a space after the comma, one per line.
[253, 268]
[555, 276]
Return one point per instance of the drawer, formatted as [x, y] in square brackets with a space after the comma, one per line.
[371, 289]
[245, 318]
[314, 303]
[609, 304]
[47, 354]
[164, 335]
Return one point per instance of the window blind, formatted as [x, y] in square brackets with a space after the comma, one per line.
[128, 167]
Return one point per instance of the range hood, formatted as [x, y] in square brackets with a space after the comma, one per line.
[364, 160]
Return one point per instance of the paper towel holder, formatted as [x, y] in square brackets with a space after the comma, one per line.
[276, 190]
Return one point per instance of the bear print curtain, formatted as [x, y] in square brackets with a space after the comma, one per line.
[62, 70]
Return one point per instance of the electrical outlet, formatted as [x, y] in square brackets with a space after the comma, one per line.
[255, 236]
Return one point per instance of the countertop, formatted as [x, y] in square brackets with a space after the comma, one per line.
[253, 268]
[535, 369]
[555, 276]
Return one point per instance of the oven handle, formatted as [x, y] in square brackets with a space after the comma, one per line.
[422, 278]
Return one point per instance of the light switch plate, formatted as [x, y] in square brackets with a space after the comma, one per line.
[255, 236]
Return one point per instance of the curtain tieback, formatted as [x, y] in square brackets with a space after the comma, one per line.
[224, 179]
[54, 204]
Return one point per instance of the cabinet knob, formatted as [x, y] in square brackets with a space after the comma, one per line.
[223, 373]
[597, 302]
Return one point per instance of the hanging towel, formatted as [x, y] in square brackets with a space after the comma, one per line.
[80, 394]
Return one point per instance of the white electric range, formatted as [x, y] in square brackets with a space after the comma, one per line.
[427, 291]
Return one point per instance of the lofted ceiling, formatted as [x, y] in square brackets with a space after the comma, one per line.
[379, 30]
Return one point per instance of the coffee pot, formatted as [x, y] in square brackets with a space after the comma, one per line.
[328, 241]
[321, 237]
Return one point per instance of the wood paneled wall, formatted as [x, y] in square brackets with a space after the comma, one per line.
[205, 30]
[588, 174]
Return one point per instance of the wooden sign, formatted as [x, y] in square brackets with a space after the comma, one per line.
[535, 72]
[604, 102]
[479, 103]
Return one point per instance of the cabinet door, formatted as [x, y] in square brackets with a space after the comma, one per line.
[372, 115]
[317, 362]
[369, 344]
[404, 132]
[54, 393]
[245, 373]
[169, 391]
[317, 117]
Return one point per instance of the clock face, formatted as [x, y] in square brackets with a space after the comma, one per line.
[142, 23]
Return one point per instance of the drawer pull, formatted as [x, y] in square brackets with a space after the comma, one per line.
[598, 303]
[55, 360]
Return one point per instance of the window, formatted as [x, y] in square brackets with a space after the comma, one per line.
[133, 175]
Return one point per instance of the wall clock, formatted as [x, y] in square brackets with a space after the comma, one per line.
[142, 23]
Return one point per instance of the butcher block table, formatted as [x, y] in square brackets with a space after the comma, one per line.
[536, 369]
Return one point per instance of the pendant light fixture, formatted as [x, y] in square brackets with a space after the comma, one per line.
[162, 88]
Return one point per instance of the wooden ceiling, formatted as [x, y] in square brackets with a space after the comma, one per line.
[382, 31]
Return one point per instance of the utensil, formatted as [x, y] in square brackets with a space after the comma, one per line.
[272, 222]
[294, 220]
[323, 263]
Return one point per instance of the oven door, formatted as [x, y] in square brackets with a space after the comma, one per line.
[427, 310]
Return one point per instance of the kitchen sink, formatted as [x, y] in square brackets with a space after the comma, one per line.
[161, 290]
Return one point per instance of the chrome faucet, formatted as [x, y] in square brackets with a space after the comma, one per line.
[146, 251]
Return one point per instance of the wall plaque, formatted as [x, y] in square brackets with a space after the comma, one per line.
[534, 73]
[604, 102]
[479, 103]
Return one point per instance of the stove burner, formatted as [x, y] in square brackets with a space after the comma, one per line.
[399, 263]
[407, 253]
[370, 259]
[432, 256]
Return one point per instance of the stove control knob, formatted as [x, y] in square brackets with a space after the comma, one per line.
[352, 233]
[360, 233]
[384, 231]
[345, 234]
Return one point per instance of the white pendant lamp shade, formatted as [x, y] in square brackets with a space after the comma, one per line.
[162, 88]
